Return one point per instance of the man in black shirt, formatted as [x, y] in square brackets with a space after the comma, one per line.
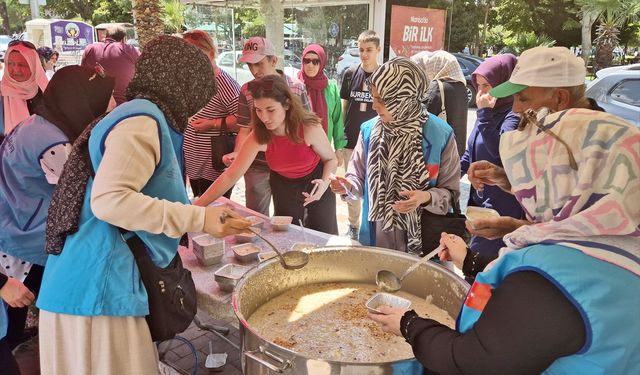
[357, 106]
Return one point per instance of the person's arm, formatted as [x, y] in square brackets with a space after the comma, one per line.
[243, 120]
[14, 292]
[317, 139]
[491, 131]
[448, 180]
[357, 169]
[87, 58]
[336, 113]
[517, 333]
[231, 175]
[132, 152]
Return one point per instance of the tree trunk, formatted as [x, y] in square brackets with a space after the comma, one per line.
[4, 13]
[147, 15]
[587, 21]
[485, 26]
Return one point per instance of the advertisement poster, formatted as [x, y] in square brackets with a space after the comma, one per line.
[415, 30]
[71, 35]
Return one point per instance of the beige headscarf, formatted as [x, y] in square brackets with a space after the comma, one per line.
[15, 94]
[439, 65]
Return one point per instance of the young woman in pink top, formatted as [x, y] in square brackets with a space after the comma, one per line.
[297, 152]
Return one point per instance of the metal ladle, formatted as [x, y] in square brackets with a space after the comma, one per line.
[291, 260]
[389, 282]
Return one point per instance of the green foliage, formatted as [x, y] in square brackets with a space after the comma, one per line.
[69, 9]
[520, 42]
[173, 15]
[496, 37]
[113, 11]
[17, 14]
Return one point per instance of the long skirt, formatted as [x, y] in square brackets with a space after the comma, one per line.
[97, 345]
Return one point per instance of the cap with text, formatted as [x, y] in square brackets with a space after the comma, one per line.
[543, 67]
[255, 49]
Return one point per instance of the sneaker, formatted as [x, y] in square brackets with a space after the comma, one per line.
[352, 233]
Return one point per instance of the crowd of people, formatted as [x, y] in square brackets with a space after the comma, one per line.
[111, 145]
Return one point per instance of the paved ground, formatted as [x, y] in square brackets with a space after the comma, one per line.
[178, 354]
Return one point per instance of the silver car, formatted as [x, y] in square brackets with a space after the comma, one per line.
[4, 44]
[350, 57]
[242, 73]
[617, 90]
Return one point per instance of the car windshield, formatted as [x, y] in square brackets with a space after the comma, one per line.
[4, 39]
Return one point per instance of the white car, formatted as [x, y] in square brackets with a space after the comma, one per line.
[617, 91]
[242, 74]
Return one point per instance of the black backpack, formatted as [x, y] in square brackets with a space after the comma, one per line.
[171, 292]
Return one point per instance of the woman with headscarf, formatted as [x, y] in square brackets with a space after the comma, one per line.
[22, 85]
[447, 92]
[405, 161]
[324, 96]
[562, 298]
[31, 159]
[91, 290]
[494, 117]
[49, 58]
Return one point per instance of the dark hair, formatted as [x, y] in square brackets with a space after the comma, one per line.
[116, 32]
[275, 87]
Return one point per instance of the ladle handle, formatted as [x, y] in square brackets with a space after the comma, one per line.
[267, 241]
[425, 259]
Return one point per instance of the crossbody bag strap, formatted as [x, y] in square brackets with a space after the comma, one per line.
[134, 243]
[441, 88]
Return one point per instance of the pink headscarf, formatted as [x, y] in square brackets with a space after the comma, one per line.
[15, 94]
[316, 85]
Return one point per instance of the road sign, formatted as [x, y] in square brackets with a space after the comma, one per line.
[334, 29]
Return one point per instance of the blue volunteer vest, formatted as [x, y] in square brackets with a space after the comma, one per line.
[25, 194]
[435, 136]
[610, 310]
[96, 274]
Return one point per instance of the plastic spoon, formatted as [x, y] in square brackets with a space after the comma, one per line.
[304, 234]
[389, 282]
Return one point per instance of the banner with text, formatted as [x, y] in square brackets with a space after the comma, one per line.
[415, 30]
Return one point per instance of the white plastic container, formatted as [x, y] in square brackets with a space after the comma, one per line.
[386, 299]
[208, 250]
[281, 223]
[246, 253]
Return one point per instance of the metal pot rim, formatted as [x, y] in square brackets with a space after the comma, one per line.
[379, 250]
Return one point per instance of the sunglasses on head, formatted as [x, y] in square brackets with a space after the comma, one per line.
[21, 42]
[307, 61]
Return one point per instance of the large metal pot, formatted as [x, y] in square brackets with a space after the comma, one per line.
[334, 264]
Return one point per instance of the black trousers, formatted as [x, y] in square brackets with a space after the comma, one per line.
[8, 364]
[18, 315]
[288, 201]
[200, 185]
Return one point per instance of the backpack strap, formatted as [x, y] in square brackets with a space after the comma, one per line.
[443, 110]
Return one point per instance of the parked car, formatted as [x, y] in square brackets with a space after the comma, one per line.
[4, 44]
[617, 90]
[242, 73]
[349, 57]
[468, 64]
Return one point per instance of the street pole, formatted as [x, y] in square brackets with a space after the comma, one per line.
[450, 22]
[35, 11]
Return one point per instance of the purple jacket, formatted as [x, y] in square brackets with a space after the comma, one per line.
[484, 144]
[118, 60]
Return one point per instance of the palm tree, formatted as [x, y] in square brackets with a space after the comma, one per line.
[612, 14]
[173, 15]
[148, 16]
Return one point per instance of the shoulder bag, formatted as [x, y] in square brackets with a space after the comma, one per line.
[433, 225]
[170, 290]
[221, 145]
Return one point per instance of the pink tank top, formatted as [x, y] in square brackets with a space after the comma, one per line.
[289, 159]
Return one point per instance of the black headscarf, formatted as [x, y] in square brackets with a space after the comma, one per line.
[75, 97]
[176, 76]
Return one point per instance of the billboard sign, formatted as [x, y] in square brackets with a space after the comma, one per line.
[415, 30]
[71, 35]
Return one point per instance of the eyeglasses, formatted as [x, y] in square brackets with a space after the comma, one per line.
[530, 116]
[17, 42]
[311, 61]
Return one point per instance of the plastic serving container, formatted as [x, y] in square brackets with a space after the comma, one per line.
[227, 277]
[386, 299]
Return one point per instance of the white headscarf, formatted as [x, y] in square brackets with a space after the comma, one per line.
[439, 65]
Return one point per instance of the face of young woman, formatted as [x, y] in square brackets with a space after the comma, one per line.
[311, 64]
[18, 67]
[272, 114]
[483, 85]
